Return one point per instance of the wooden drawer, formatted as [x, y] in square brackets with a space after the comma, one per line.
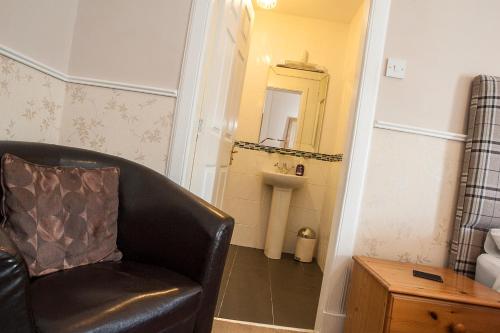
[418, 315]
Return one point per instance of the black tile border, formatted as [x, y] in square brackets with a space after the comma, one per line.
[289, 152]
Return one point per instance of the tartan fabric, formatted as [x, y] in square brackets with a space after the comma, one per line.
[478, 207]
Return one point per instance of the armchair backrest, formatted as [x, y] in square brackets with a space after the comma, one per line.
[54, 155]
[159, 222]
[147, 201]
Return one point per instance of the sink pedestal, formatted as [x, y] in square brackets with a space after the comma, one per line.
[283, 185]
[276, 227]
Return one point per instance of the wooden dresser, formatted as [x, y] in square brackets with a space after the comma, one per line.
[385, 297]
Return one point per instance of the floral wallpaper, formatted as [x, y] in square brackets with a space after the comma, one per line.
[410, 196]
[31, 103]
[132, 125]
[37, 107]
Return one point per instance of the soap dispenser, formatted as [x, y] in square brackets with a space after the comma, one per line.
[299, 170]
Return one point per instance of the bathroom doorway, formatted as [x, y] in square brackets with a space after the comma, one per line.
[322, 65]
[297, 98]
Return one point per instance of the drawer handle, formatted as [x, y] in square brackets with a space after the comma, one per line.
[458, 328]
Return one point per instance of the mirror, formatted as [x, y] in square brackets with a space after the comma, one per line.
[280, 117]
[294, 109]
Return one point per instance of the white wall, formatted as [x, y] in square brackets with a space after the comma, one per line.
[278, 37]
[41, 30]
[352, 68]
[410, 194]
[140, 42]
[446, 43]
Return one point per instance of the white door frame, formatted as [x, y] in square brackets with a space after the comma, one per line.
[330, 314]
[186, 116]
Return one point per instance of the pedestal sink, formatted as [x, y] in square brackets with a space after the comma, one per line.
[283, 186]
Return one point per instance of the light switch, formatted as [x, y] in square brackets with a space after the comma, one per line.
[396, 68]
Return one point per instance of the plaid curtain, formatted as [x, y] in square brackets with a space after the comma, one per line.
[478, 207]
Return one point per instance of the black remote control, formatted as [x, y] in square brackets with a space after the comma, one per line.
[427, 276]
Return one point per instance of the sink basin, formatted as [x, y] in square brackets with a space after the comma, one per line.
[282, 180]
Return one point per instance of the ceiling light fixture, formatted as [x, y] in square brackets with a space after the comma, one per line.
[267, 4]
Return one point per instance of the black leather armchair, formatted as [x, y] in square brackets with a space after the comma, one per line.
[174, 247]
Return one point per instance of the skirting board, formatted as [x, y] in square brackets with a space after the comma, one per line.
[25, 60]
[420, 131]
[333, 323]
[265, 325]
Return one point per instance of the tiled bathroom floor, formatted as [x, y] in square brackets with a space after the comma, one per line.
[261, 290]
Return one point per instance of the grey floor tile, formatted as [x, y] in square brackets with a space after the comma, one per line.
[250, 257]
[220, 296]
[314, 274]
[229, 262]
[286, 274]
[232, 251]
[225, 276]
[295, 289]
[253, 278]
[295, 307]
[287, 256]
[248, 295]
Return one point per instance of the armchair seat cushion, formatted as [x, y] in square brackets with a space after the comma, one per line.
[115, 297]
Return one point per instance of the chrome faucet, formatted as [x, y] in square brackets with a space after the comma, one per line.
[271, 139]
[283, 167]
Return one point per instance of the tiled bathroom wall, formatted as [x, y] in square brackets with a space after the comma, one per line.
[248, 199]
[327, 227]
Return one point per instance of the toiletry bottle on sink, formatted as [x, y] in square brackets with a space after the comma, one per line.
[299, 170]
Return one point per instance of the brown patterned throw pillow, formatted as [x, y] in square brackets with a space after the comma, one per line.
[60, 217]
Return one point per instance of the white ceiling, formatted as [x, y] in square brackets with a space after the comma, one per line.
[332, 10]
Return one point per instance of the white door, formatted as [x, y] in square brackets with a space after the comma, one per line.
[222, 82]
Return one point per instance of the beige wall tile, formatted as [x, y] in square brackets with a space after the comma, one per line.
[248, 199]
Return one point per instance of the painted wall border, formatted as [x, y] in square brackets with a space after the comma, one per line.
[25, 60]
[420, 131]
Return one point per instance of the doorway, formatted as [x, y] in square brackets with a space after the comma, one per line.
[315, 130]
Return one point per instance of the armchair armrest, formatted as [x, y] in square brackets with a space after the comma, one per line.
[15, 310]
[160, 223]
